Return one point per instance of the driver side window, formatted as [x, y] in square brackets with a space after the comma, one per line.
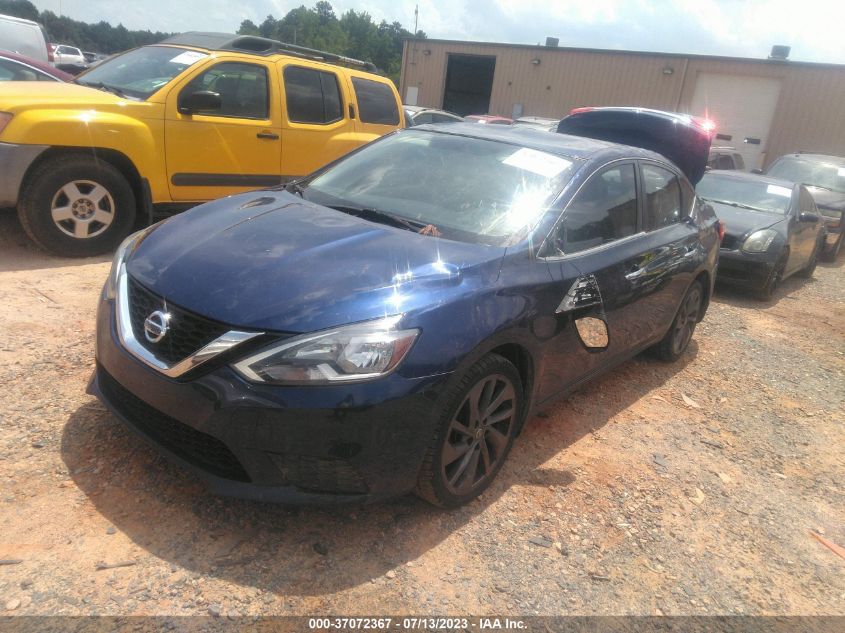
[242, 88]
[604, 210]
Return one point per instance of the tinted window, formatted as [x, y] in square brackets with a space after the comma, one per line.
[444, 118]
[242, 89]
[662, 197]
[604, 210]
[806, 202]
[724, 161]
[376, 103]
[423, 118]
[312, 96]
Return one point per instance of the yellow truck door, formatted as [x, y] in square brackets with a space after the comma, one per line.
[222, 131]
[316, 127]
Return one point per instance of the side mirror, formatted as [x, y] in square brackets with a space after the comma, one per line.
[199, 101]
[756, 171]
[808, 217]
[593, 333]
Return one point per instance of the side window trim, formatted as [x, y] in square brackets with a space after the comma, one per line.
[555, 257]
[210, 67]
[688, 213]
[320, 74]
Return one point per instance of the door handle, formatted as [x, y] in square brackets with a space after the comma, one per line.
[272, 136]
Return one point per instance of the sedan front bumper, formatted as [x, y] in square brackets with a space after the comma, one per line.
[751, 270]
[321, 444]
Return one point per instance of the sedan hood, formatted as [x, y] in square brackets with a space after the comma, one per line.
[740, 222]
[272, 261]
[827, 199]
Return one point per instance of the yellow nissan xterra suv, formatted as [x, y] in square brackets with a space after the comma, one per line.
[162, 127]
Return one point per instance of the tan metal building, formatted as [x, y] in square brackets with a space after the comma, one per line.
[762, 107]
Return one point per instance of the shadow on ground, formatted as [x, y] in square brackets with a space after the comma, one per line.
[313, 551]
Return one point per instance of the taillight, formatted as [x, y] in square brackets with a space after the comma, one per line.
[579, 110]
[720, 229]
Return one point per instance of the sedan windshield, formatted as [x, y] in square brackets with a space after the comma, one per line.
[755, 195]
[818, 173]
[461, 188]
[140, 72]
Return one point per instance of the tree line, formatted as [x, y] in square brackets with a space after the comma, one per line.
[354, 33]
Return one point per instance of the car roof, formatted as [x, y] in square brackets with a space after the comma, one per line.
[579, 147]
[728, 174]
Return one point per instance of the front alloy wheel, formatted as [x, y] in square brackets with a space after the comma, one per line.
[474, 434]
[82, 209]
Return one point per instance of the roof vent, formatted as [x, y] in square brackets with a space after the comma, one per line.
[552, 42]
[779, 52]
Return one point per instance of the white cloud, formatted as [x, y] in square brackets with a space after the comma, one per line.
[715, 27]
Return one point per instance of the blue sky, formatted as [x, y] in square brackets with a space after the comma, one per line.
[815, 29]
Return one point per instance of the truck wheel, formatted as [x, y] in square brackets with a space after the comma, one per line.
[76, 206]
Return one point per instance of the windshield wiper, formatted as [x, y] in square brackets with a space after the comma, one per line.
[294, 187]
[738, 205]
[377, 215]
[101, 86]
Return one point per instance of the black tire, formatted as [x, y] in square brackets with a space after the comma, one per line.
[831, 255]
[810, 268]
[106, 217]
[675, 342]
[483, 443]
[767, 290]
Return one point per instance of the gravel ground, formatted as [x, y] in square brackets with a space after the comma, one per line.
[690, 488]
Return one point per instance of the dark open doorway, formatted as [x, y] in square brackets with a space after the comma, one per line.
[469, 82]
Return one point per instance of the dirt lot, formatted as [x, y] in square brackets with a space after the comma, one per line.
[676, 489]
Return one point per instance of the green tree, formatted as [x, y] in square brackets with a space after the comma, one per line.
[19, 9]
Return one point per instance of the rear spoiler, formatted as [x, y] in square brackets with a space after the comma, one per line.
[682, 138]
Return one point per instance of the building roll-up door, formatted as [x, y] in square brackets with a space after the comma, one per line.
[742, 107]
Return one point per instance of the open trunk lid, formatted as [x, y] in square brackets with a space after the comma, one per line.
[683, 139]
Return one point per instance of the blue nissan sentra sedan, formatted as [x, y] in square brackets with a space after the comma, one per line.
[388, 323]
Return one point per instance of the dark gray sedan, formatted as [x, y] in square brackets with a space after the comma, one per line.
[772, 229]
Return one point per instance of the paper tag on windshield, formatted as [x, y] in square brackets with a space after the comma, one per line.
[540, 163]
[841, 172]
[188, 57]
[777, 190]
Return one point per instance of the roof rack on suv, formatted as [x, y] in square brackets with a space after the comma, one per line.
[263, 46]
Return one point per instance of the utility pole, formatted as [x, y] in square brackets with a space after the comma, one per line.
[416, 18]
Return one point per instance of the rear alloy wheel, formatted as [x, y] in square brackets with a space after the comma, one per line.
[834, 252]
[475, 434]
[76, 206]
[677, 339]
[767, 291]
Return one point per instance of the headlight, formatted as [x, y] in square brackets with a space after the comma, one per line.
[346, 354]
[759, 241]
[120, 255]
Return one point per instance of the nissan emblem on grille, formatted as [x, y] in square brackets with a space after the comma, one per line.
[156, 325]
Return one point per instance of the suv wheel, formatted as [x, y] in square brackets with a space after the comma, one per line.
[474, 434]
[677, 339]
[76, 206]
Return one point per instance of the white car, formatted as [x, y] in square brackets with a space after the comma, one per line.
[65, 54]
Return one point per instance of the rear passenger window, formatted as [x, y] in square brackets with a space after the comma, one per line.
[604, 210]
[242, 89]
[312, 96]
[662, 197]
[376, 103]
